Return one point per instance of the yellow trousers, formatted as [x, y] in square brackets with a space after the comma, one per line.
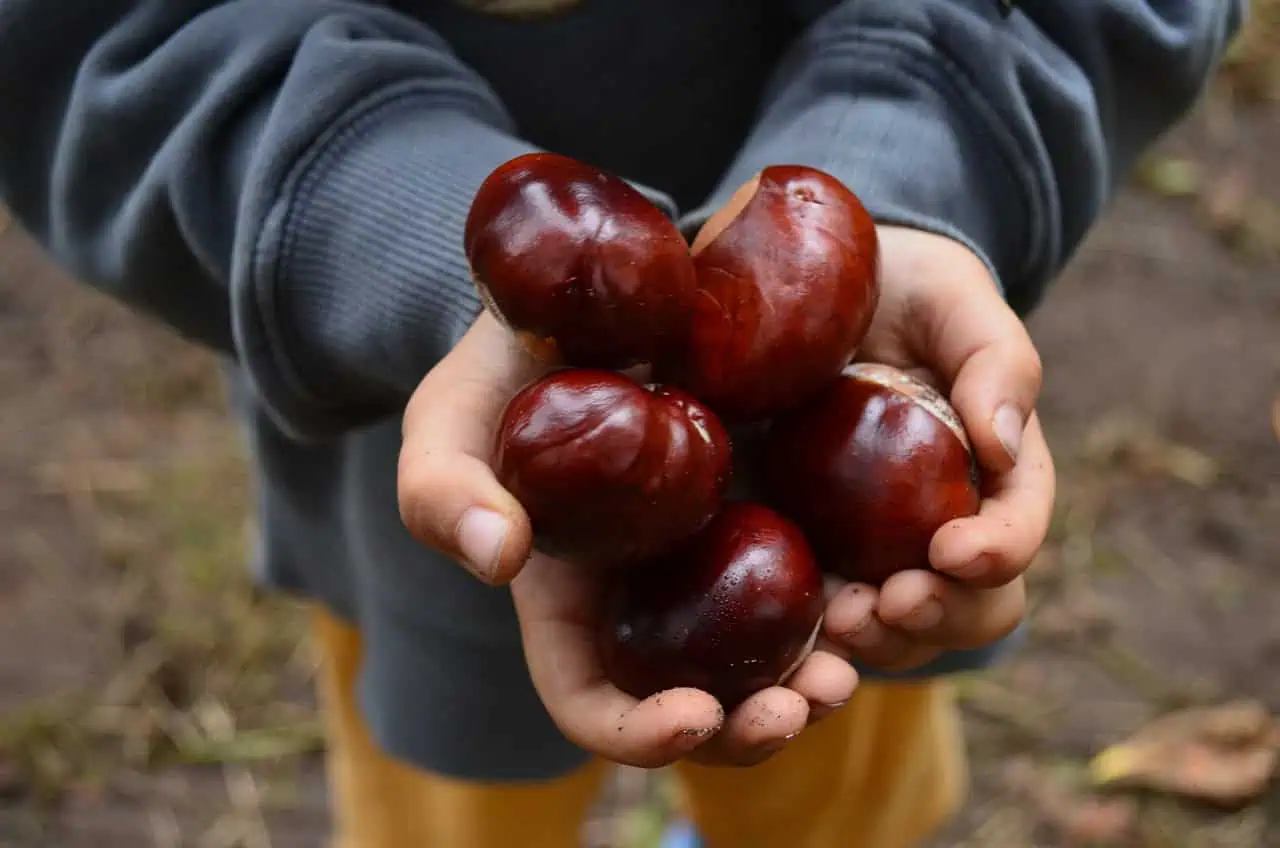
[882, 772]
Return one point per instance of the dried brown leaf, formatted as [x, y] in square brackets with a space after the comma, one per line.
[92, 476]
[1225, 201]
[1080, 818]
[1099, 821]
[1170, 176]
[1225, 754]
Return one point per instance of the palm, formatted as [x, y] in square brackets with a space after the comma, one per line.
[898, 334]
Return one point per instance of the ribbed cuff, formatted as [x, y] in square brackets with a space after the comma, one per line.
[361, 284]
[900, 127]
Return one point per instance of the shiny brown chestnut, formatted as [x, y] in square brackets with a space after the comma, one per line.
[611, 471]
[871, 468]
[788, 284]
[580, 265]
[732, 611]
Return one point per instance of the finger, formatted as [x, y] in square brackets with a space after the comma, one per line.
[935, 610]
[756, 730]
[998, 544]
[449, 497]
[826, 680]
[557, 607]
[851, 622]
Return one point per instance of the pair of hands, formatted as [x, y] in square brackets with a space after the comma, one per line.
[940, 316]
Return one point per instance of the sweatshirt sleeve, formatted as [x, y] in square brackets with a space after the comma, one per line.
[283, 180]
[1006, 131]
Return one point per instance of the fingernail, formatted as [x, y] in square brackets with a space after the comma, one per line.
[926, 615]
[481, 533]
[1008, 425]
[699, 732]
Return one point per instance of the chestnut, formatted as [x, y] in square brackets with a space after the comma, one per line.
[611, 471]
[787, 290]
[578, 263]
[871, 467]
[733, 610]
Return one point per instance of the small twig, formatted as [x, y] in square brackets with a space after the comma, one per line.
[93, 476]
[253, 745]
[242, 789]
[1139, 676]
[1153, 564]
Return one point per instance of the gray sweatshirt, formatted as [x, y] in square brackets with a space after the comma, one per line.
[285, 181]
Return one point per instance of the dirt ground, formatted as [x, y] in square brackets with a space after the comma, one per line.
[148, 696]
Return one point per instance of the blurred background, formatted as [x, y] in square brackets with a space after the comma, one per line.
[149, 697]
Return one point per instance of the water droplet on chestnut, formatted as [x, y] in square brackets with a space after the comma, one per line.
[871, 467]
[732, 611]
[611, 471]
[787, 290]
[580, 265]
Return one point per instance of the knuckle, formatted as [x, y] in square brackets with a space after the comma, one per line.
[1003, 572]
[416, 478]
[1035, 368]
[1032, 364]
[1005, 611]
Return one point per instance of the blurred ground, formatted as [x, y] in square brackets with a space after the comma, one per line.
[149, 697]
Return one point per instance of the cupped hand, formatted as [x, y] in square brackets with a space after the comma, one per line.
[451, 500]
[942, 318]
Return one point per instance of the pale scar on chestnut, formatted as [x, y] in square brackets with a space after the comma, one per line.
[871, 468]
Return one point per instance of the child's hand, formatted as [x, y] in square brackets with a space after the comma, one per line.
[450, 500]
[941, 317]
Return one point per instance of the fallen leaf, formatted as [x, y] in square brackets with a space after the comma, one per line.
[1170, 176]
[1225, 201]
[1098, 821]
[91, 476]
[1079, 817]
[1224, 754]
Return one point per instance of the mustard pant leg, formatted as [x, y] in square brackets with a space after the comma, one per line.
[883, 772]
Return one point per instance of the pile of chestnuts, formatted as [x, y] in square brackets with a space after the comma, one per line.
[751, 330]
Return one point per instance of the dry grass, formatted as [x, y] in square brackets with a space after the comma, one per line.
[208, 670]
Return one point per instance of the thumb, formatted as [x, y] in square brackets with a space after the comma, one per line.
[970, 337]
[450, 499]
[995, 391]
